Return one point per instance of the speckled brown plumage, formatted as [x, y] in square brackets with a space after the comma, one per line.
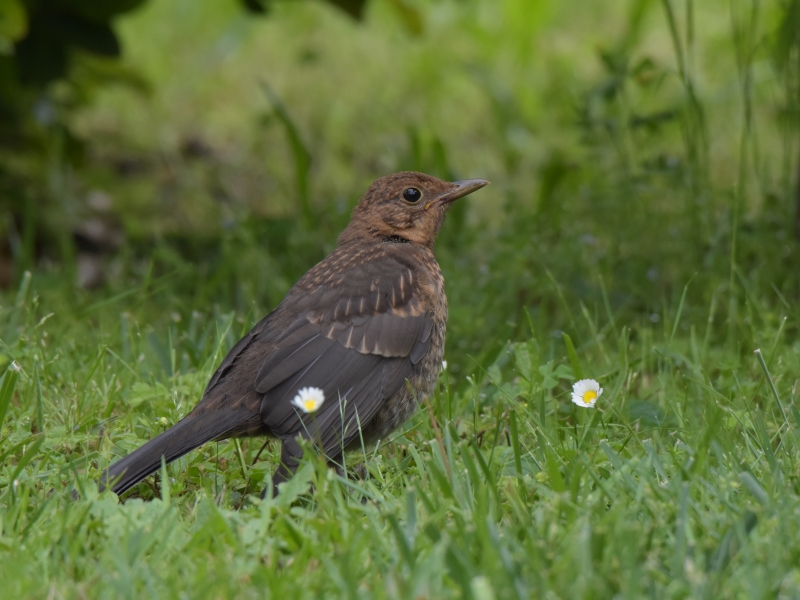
[366, 325]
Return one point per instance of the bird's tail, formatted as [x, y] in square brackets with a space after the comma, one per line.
[186, 435]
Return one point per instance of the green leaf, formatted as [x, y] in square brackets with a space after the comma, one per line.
[13, 21]
[648, 413]
[556, 479]
[515, 443]
[26, 458]
[299, 484]
[7, 391]
[573, 356]
[549, 381]
[301, 154]
[750, 482]
[564, 372]
[522, 357]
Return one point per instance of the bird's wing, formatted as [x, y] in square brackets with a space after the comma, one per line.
[235, 352]
[358, 346]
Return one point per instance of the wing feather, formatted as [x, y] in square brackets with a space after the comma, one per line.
[358, 345]
[359, 349]
[235, 352]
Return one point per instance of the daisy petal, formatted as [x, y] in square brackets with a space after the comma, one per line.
[309, 399]
[586, 392]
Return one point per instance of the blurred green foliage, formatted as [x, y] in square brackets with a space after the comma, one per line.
[629, 148]
[55, 55]
[44, 43]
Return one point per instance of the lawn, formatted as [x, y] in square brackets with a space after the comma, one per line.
[639, 230]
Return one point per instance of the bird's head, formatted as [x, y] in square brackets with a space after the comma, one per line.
[406, 206]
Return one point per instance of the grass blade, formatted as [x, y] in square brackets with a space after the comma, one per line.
[7, 390]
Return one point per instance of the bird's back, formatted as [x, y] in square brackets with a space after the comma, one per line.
[352, 283]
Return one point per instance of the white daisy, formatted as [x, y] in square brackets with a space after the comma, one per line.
[444, 365]
[586, 392]
[309, 399]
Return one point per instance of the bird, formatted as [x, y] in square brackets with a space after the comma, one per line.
[363, 331]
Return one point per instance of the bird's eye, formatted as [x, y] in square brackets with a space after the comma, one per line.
[412, 195]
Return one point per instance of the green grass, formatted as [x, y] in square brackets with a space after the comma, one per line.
[684, 481]
[639, 231]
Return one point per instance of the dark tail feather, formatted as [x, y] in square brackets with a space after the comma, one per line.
[183, 437]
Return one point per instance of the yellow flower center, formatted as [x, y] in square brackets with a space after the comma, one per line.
[310, 404]
[589, 396]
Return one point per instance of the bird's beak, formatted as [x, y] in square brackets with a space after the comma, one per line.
[459, 190]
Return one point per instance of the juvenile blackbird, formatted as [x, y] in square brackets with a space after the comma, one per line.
[366, 326]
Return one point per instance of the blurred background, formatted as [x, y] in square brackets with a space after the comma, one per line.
[205, 154]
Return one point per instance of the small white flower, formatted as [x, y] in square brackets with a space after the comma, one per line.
[309, 399]
[586, 392]
[444, 365]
